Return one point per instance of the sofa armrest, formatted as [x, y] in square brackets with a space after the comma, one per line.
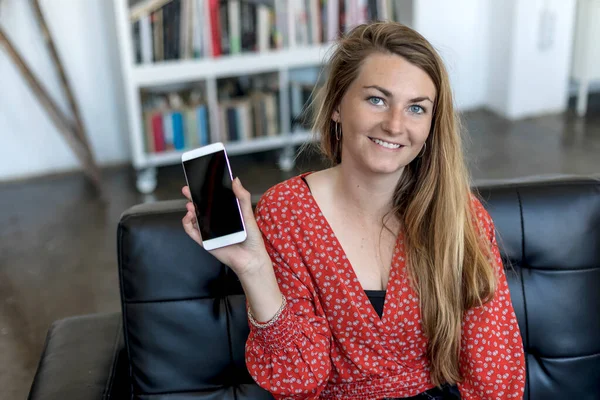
[81, 359]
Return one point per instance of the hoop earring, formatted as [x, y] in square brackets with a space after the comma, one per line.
[338, 132]
[422, 152]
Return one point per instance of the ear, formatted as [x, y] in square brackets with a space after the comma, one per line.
[335, 115]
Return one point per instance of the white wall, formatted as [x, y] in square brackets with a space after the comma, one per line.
[84, 35]
[541, 61]
[499, 54]
[493, 53]
[458, 31]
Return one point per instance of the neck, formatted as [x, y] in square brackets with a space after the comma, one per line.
[367, 195]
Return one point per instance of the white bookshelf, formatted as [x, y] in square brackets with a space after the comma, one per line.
[284, 62]
[139, 76]
[168, 72]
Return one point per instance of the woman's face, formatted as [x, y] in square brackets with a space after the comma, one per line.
[385, 114]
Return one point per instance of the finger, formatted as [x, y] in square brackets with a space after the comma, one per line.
[189, 222]
[244, 197]
[189, 225]
[186, 192]
[190, 207]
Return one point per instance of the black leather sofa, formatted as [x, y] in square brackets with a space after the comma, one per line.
[182, 329]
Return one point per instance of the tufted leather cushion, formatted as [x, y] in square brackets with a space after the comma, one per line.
[184, 313]
[549, 234]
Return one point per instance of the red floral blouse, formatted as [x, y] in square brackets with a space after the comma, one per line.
[329, 342]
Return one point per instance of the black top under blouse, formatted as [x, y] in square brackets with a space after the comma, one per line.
[377, 298]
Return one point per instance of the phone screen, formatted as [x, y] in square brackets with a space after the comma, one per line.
[217, 209]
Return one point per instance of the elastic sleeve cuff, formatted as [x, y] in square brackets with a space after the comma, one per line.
[279, 335]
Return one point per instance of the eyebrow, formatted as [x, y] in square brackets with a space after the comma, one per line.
[389, 94]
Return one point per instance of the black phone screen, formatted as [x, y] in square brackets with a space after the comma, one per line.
[216, 206]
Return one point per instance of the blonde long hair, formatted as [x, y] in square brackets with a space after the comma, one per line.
[448, 263]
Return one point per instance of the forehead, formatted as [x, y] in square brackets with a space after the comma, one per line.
[396, 74]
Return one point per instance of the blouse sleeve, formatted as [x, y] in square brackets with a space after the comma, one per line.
[492, 360]
[289, 358]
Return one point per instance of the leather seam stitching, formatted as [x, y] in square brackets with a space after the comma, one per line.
[124, 309]
[136, 302]
[228, 321]
[111, 375]
[565, 357]
[523, 284]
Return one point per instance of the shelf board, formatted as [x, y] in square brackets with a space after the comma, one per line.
[241, 147]
[176, 71]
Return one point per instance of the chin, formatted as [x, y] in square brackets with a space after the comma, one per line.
[386, 169]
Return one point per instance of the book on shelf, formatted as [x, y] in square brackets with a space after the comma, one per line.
[246, 118]
[175, 125]
[192, 29]
[180, 121]
[248, 107]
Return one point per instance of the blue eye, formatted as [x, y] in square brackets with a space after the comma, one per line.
[376, 101]
[416, 109]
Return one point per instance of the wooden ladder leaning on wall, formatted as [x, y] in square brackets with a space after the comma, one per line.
[72, 131]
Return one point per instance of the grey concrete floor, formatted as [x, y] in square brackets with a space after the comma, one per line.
[58, 245]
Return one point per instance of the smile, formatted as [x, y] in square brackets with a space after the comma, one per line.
[385, 144]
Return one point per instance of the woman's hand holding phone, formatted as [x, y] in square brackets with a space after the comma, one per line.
[242, 258]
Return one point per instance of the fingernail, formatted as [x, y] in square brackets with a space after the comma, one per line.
[237, 180]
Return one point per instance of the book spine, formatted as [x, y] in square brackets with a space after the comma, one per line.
[291, 16]
[137, 41]
[248, 29]
[280, 24]
[167, 35]
[239, 121]
[301, 23]
[158, 132]
[146, 39]
[382, 10]
[263, 28]
[178, 134]
[362, 11]
[176, 29]
[333, 22]
[222, 135]
[197, 28]
[215, 25]
[224, 23]
[191, 129]
[148, 132]
[315, 21]
[235, 29]
[202, 125]
[271, 111]
[168, 130]
[230, 115]
[247, 120]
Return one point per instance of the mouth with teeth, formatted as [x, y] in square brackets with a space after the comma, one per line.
[387, 145]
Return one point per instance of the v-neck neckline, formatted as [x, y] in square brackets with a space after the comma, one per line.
[360, 299]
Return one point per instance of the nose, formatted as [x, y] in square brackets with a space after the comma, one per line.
[393, 122]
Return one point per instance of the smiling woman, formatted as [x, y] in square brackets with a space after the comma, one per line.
[393, 218]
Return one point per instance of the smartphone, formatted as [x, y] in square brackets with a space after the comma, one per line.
[218, 213]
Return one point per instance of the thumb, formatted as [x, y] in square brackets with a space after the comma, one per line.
[244, 197]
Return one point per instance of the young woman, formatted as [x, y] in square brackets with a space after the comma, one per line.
[379, 277]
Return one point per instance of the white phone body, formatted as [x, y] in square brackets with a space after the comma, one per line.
[218, 213]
